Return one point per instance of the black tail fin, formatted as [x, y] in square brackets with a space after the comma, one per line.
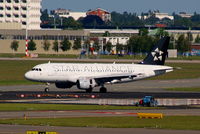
[159, 53]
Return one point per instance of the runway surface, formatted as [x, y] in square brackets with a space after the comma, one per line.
[17, 129]
[96, 113]
[137, 86]
[138, 89]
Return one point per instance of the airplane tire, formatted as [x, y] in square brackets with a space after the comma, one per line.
[89, 90]
[46, 89]
[103, 90]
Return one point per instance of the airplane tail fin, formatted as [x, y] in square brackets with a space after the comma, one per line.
[158, 54]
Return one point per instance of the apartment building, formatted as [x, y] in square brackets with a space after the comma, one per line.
[67, 13]
[20, 14]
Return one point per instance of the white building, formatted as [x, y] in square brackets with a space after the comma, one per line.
[185, 15]
[14, 13]
[67, 13]
[163, 15]
[157, 15]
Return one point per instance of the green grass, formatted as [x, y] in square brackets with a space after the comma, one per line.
[12, 72]
[57, 107]
[191, 89]
[171, 122]
[187, 71]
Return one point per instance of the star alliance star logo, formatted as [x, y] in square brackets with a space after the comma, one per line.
[157, 55]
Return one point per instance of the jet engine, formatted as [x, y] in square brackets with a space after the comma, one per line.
[86, 83]
[64, 84]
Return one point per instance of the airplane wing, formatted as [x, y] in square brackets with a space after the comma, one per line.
[110, 78]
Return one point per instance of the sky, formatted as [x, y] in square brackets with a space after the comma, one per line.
[136, 6]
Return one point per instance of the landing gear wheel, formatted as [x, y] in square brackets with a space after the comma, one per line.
[46, 89]
[89, 90]
[103, 90]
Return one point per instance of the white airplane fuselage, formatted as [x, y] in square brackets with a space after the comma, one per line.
[72, 72]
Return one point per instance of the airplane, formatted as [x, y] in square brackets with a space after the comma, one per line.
[87, 76]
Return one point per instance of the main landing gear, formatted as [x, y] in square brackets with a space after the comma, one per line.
[103, 90]
[89, 90]
[47, 87]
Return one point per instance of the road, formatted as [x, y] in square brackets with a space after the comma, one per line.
[96, 60]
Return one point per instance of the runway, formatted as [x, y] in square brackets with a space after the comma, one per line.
[96, 113]
[137, 89]
[21, 129]
[137, 86]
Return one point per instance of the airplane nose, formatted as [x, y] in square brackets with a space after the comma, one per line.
[28, 76]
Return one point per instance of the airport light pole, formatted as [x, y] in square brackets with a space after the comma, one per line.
[27, 26]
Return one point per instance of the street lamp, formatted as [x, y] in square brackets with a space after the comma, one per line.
[27, 24]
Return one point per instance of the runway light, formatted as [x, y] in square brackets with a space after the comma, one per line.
[22, 95]
[93, 96]
[76, 96]
[38, 95]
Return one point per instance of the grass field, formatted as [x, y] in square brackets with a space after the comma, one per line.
[191, 89]
[12, 72]
[58, 107]
[171, 122]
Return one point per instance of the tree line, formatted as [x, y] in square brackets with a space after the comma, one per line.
[139, 43]
[119, 20]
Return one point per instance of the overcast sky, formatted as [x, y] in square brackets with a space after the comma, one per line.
[137, 6]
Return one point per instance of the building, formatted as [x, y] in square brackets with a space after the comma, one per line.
[185, 15]
[115, 36]
[163, 15]
[39, 36]
[157, 15]
[103, 14]
[19, 14]
[67, 13]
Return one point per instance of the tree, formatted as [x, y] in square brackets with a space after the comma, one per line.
[106, 34]
[14, 45]
[161, 32]
[119, 48]
[183, 44]
[46, 45]
[143, 32]
[31, 45]
[65, 45]
[197, 40]
[87, 45]
[77, 44]
[96, 45]
[108, 46]
[55, 46]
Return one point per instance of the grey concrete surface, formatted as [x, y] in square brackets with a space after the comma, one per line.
[17, 129]
[137, 86]
[96, 60]
[96, 113]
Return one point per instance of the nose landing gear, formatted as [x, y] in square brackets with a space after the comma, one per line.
[47, 87]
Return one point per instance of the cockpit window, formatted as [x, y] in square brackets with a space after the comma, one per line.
[37, 69]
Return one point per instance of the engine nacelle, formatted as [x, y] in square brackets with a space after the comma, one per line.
[64, 84]
[86, 83]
